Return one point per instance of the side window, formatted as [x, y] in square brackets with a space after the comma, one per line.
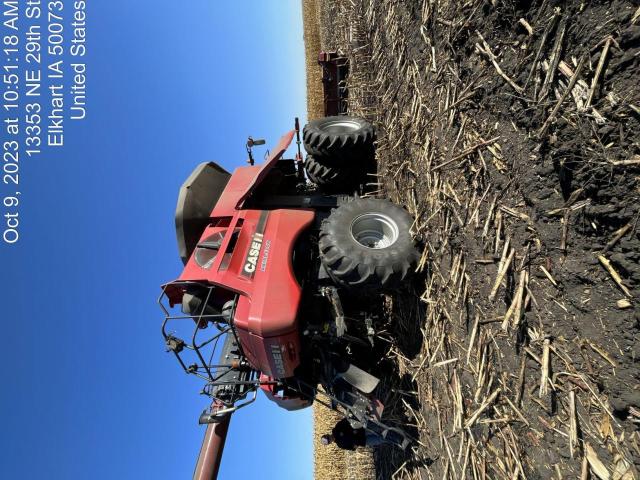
[230, 248]
[207, 250]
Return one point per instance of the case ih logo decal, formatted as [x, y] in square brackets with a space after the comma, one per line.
[251, 260]
[277, 359]
[265, 256]
[252, 255]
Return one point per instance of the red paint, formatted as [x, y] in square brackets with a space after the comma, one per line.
[275, 155]
[266, 313]
[245, 180]
[259, 352]
[288, 400]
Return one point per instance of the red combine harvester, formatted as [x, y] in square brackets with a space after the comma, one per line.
[282, 279]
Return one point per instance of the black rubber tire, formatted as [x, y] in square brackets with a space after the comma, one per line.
[354, 265]
[331, 143]
[331, 178]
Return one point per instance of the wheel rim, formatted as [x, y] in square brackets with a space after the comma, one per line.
[374, 230]
[340, 126]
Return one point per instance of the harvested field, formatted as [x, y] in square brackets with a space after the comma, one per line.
[312, 47]
[332, 463]
[329, 462]
[511, 130]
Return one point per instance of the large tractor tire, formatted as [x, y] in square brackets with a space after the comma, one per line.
[331, 178]
[366, 243]
[334, 140]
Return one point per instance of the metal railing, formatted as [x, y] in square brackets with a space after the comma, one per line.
[226, 381]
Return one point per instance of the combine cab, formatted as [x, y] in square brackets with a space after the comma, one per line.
[280, 279]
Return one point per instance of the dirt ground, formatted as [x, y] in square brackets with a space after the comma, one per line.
[511, 130]
[329, 461]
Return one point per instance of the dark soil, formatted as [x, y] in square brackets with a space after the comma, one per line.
[486, 169]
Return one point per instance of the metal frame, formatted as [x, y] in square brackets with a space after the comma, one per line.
[212, 373]
[368, 422]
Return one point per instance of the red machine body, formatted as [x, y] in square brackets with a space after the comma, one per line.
[282, 396]
[254, 261]
[257, 307]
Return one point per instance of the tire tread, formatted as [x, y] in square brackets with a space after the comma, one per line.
[352, 265]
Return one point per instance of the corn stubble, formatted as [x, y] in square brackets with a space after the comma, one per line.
[497, 386]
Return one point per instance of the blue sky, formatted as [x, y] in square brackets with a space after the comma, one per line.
[88, 390]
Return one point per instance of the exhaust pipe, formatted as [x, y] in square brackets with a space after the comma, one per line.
[211, 450]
